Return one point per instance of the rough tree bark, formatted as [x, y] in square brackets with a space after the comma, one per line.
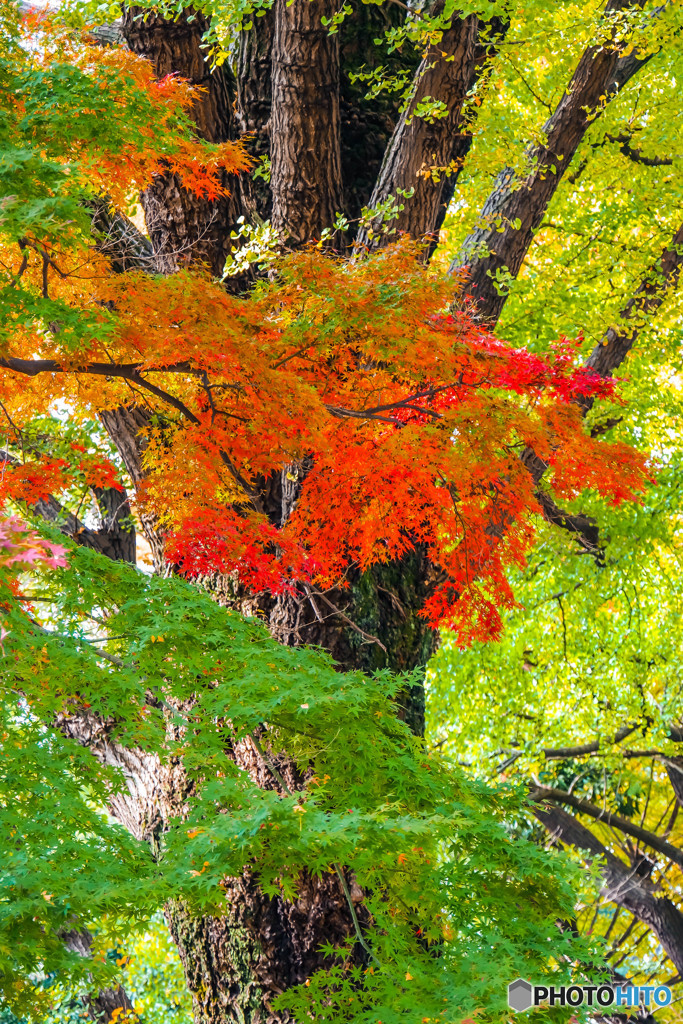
[365, 124]
[424, 155]
[305, 123]
[254, 98]
[185, 228]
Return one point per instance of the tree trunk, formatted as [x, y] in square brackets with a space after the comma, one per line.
[612, 349]
[236, 964]
[254, 100]
[305, 155]
[185, 228]
[103, 1005]
[421, 151]
[127, 428]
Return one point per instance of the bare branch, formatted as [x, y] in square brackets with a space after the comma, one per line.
[552, 753]
[541, 793]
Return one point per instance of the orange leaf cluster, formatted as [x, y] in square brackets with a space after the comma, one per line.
[129, 126]
[391, 423]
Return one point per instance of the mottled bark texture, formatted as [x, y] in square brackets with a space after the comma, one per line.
[235, 965]
[305, 157]
[185, 228]
[515, 207]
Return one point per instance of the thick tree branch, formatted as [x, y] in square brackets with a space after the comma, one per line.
[127, 371]
[674, 769]
[661, 279]
[637, 155]
[516, 206]
[186, 228]
[127, 427]
[562, 753]
[544, 793]
[422, 151]
[305, 122]
[610, 352]
[117, 238]
[584, 528]
[622, 885]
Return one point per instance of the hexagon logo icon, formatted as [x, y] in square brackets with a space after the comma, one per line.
[520, 995]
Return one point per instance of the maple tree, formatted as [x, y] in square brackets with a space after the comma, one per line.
[328, 439]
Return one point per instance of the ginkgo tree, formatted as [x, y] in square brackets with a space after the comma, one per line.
[331, 441]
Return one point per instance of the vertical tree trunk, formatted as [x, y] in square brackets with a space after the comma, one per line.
[367, 122]
[108, 1003]
[237, 963]
[254, 98]
[185, 228]
[305, 155]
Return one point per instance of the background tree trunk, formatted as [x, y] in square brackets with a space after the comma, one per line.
[515, 207]
[185, 228]
[305, 123]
